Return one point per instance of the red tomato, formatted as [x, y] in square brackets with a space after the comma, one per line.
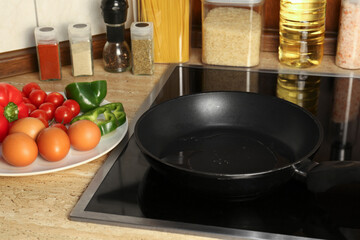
[56, 98]
[60, 125]
[44, 121]
[39, 113]
[63, 115]
[49, 108]
[26, 100]
[31, 107]
[73, 106]
[26, 90]
[37, 97]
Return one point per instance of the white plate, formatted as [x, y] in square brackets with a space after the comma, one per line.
[73, 159]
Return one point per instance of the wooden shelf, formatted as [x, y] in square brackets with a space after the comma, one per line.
[269, 62]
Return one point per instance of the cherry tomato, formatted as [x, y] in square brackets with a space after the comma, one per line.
[73, 106]
[26, 90]
[56, 98]
[60, 125]
[37, 97]
[26, 100]
[49, 108]
[39, 113]
[44, 121]
[31, 107]
[63, 115]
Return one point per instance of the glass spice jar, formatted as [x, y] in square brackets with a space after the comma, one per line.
[142, 48]
[116, 53]
[348, 41]
[81, 49]
[48, 53]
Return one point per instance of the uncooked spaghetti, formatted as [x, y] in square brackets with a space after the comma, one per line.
[171, 21]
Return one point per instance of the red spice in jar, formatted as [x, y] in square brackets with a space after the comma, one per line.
[348, 41]
[49, 61]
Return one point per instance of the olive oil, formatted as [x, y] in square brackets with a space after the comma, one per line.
[302, 31]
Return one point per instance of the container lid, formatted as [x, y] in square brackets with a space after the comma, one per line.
[45, 33]
[234, 2]
[142, 28]
[79, 31]
[114, 11]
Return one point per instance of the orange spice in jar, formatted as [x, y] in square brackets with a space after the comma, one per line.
[348, 42]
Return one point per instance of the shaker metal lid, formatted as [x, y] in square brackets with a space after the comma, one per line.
[234, 2]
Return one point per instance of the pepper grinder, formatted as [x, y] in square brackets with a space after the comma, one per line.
[116, 53]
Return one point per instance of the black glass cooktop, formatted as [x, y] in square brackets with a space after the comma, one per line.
[127, 191]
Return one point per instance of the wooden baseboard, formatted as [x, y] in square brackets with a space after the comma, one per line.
[25, 60]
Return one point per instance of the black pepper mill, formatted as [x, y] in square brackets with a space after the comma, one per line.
[116, 53]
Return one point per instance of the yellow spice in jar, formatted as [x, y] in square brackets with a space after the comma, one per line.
[231, 36]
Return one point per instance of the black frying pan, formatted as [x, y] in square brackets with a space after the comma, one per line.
[236, 144]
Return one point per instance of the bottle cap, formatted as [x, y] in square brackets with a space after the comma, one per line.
[79, 31]
[142, 29]
[45, 34]
[234, 2]
[114, 11]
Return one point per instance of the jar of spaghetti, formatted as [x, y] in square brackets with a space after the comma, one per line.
[81, 49]
[231, 32]
[48, 53]
[348, 41]
[172, 28]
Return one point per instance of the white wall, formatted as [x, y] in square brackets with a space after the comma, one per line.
[18, 19]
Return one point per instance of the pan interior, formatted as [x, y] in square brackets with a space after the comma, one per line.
[223, 151]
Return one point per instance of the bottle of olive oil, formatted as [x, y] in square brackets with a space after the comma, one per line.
[302, 32]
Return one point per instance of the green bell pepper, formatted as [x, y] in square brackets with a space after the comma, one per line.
[89, 95]
[107, 117]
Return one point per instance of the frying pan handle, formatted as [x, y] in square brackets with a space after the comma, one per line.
[332, 173]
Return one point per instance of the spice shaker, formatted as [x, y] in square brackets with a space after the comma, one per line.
[81, 49]
[142, 48]
[116, 53]
[48, 53]
[348, 41]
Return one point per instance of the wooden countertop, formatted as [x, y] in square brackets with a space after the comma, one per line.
[37, 207]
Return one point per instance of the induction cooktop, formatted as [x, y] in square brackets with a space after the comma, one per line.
[126, 191]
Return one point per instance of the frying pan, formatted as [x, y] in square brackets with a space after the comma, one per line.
[237, 144]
